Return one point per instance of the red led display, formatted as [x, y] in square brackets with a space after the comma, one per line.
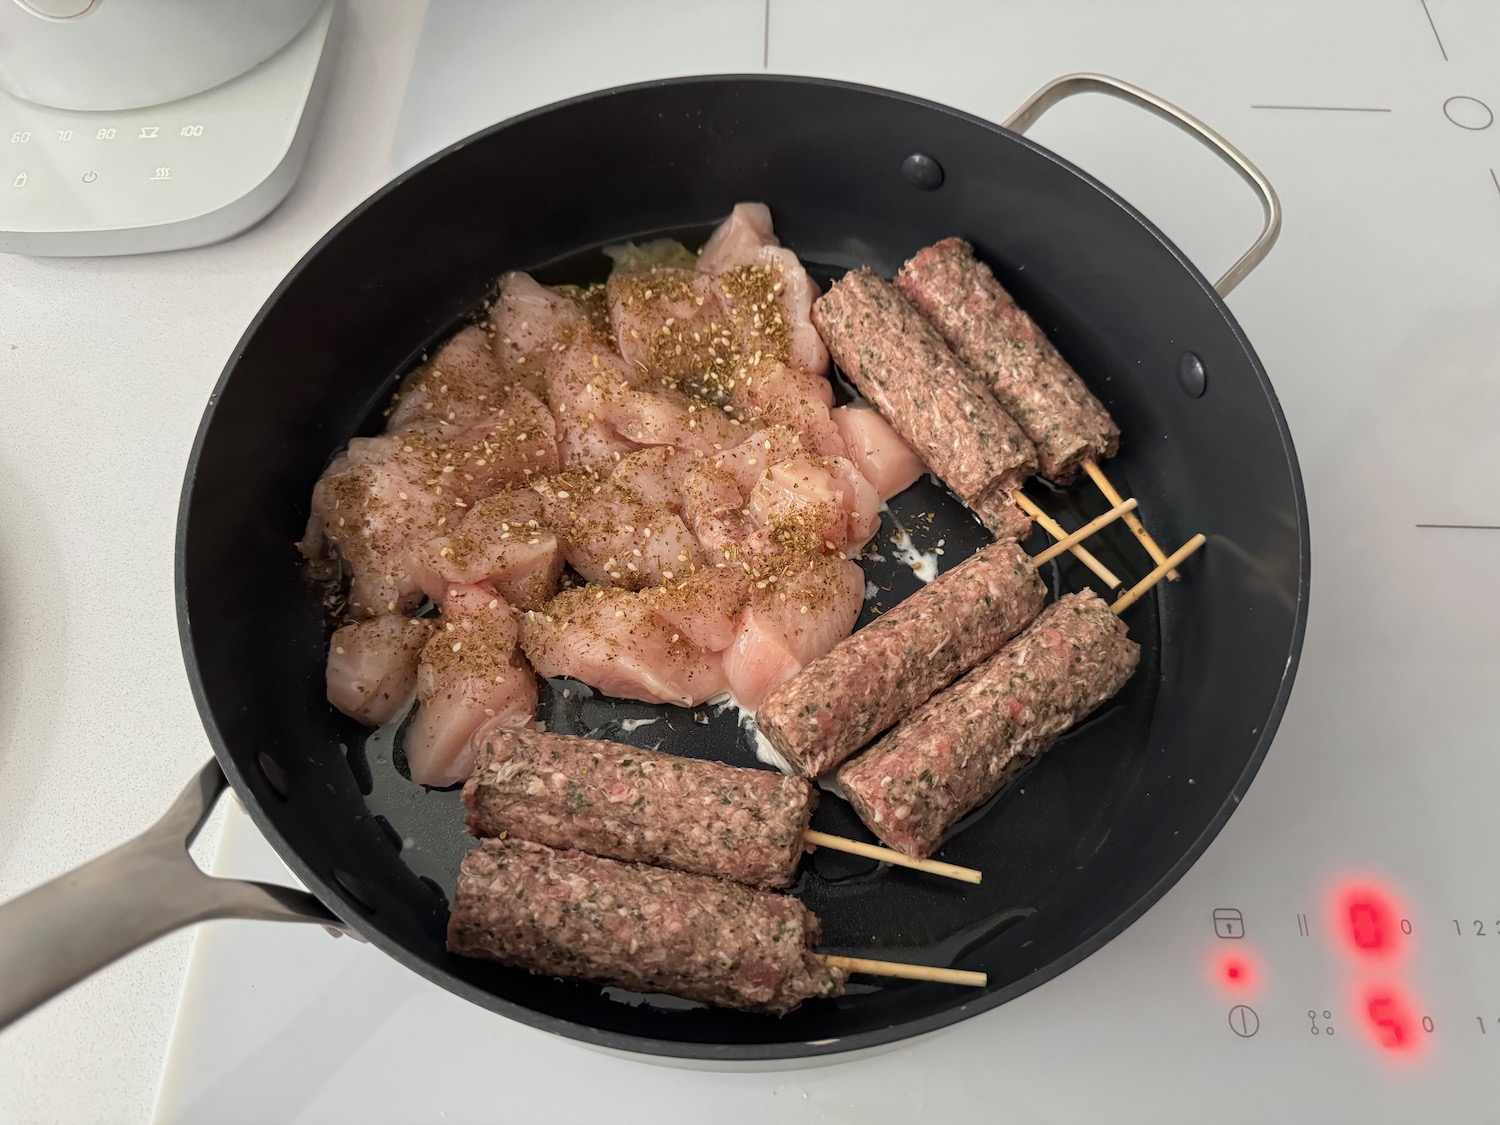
[1369, 925]
[1368, 922]
[1389, 1019]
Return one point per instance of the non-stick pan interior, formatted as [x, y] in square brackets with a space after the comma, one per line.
[1073, 851]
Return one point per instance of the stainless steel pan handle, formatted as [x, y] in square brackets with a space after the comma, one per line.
[57, 934]
[1070, 84]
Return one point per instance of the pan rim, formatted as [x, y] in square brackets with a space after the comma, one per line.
[332, 895]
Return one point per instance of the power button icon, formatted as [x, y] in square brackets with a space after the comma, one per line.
[1243, 1021]
[90, 177]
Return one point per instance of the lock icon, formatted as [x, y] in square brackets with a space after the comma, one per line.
[1228, 922]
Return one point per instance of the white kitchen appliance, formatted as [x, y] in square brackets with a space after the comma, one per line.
[1335, 955]
[130, 126]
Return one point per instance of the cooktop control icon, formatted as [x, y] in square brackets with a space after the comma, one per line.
[1228, 922]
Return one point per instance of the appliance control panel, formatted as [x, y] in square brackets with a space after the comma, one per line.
[65, 174]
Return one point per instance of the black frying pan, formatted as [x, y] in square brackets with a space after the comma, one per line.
[1073, 853]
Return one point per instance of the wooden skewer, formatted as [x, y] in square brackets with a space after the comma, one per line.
[904, 971]
[1133, 522]
[890, 855]
[1129, 599]
[1050, 526]
[1069, 542]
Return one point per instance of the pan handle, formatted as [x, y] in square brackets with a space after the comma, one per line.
[53, 936]
[1070, 84]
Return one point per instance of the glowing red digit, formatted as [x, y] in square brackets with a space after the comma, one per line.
[1366, 926]
[1367, 922]
[1389, 1019]
[1385, 1017]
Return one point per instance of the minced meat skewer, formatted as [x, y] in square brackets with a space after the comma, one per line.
[941, 408]
[958, 749]
[640, 805]
[982, 323]
[879, 675]
[643, 806]
[648, 929]
[995, 337]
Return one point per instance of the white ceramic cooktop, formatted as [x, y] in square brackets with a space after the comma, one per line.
[1376, 317]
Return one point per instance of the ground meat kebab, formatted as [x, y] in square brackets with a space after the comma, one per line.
[640, 805]
[567, 913]
[995, 337]
[946, 414]
[960, 748]
[882, 673]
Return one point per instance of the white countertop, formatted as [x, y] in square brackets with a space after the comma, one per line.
[106, 365]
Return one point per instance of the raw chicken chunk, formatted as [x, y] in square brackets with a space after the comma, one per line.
[610, 639]
[671, 325]
[527, 321]
[768, 493]
[739, 239]
[372, 666]
[775, 394]
[611, 537]
[372, 505]
[582, 377]
[501, 542]
[791, 622]
[458, 386]
[810, 504]
[746, 241]
[470, 672]
[654, 476]
[516, 445]
[876, 449]
[705, 606]
[386, 496]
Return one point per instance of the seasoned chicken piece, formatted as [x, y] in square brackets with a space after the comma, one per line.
[386, 496]
[671, 327]
[516, 445]
[813, 505]
[704, 333]
[500, 541]
[612, 537]
[372, 666]
[655, 476]
[704, 606]
[739, 239]
[775, 394]
[668, 417]
[458, 386]
[372, 505]
[809, 608]
[583, 376]
[746, 240]
[769, 493]
[611, 640]
[470, 672]
[876, 449]
[526, 323]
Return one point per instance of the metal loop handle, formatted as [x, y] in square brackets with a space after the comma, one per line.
[57, 934]
[1070, 84]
